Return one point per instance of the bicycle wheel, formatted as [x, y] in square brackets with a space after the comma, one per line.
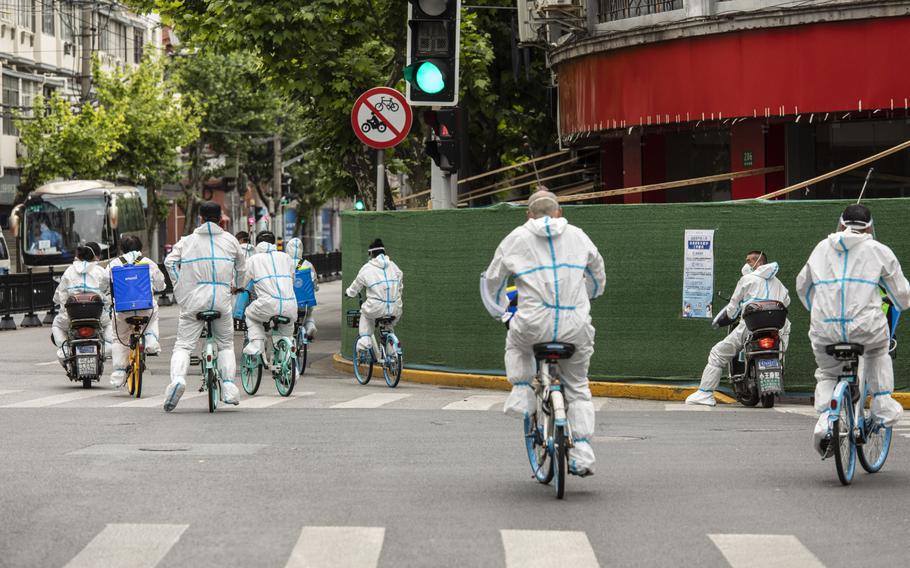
[391, 367]
[302, 351]
[213, 388]
[842, 438]
[250, 373]
[873, 453]
[363, 364]
[561, 459]
[287, 374]
[538, 452]
[139, 368]
[131, 376]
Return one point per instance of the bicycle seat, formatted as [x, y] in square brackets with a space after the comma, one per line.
[553, 350]
[208, 315]
[845, 351]
[278, 320]
[385, 321]
[137, 320]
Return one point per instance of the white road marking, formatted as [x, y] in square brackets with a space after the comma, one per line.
[477, 402]
[760, 550]
[803, 410]
[337, 547]
[599, 403]
[169, 337]
[58, 399]
[128, 546]
[153, 401]
[687, 408]
[543, 549]
[267, 401]
[48, 363]
[371, 400]
[3, 392]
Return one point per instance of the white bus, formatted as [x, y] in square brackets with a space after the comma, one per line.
[59, 216]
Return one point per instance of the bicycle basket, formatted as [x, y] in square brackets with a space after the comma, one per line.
[353, 317]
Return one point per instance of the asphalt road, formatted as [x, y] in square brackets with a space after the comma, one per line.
[348, 475]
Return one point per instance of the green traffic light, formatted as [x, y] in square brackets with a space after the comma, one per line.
[429, 78]
[358, 205]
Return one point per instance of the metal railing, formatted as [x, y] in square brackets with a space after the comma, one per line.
[32, 292]
[612, 10]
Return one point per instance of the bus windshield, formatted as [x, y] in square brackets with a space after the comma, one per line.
[54, 226]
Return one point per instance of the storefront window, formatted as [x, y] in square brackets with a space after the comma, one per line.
[697, 154]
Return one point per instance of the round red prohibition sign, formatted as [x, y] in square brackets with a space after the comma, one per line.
[381, 117]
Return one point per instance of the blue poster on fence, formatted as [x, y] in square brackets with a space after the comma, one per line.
[698, 274]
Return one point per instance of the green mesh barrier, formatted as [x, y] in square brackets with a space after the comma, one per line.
[640, 332]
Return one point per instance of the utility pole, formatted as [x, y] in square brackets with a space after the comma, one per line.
[88, 36]
[275, 197]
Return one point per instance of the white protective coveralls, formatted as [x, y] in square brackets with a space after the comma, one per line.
[272, 274]
[760, 284]
[294, 248]
[81, 277]
[557, 271]
[840, 287]
[122, 329]
[202, 266]
[383, 282]
[248, 251]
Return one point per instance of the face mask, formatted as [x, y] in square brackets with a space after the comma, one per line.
[43, 227]
[746, 269]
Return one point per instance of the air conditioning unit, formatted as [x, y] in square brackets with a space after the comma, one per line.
[527, 31]
[544, 4]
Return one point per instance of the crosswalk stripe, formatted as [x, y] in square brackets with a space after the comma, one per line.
[128, 546]
[372, 400]
[599, 403]
[153, 401]
[758, 550]
[804, 410]
[543, 549]
[337, 547]
[3, 392]
[686, 408]
[57, 399]
[47, 363]
[477, 402]
[267, 401]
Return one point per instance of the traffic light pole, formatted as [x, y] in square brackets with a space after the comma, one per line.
[380, 180]
[442, 188]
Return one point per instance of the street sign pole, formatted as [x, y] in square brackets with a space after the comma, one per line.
[380, 180]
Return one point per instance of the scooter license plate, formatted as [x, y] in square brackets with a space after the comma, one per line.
[86, 349]
[768, 364]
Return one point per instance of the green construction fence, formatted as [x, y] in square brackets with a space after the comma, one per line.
[641, 334]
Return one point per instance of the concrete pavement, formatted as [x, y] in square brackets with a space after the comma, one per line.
[343, 474]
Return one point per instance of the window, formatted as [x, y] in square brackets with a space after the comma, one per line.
[29, 90]
[10, 103]
[611, 10]
[6, 9]
[104, 33]
[138, 44]
[47, 17]
[26, 10]
[69, 25]
[120, 31]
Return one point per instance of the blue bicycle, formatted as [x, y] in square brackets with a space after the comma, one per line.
[854, 432]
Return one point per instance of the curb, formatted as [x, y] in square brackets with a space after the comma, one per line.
[498, 382]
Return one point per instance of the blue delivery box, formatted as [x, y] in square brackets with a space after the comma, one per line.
[303, 288]
[132, 287]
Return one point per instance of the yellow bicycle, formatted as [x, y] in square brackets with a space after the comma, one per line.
[137, 354]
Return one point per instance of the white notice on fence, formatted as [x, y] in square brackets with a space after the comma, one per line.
[698, 274]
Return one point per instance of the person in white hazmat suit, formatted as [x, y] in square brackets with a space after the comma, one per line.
[839, 285]
[384, 284]
[557, 271]
[202, 267]
[294, 248]
[759, 282]
[85, 275]
[272, 274]
[131, 247]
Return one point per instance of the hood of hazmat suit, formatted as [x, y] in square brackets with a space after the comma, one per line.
[839, 285]
[203, 266]
[383, 282]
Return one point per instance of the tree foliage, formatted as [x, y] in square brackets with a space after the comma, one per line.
[325, 53]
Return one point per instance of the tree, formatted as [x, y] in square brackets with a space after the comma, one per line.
[63, 141]
[157, 123]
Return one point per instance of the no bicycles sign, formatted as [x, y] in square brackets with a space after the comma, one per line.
[381, 117]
